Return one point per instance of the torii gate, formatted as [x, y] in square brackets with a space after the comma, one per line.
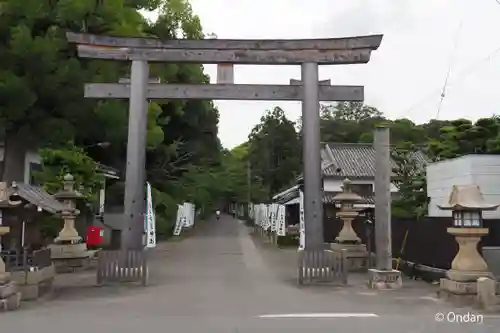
[309, 53]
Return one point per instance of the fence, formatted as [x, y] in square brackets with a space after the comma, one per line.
[26, 260]
[122, 266]
[427, 243]
[322, 266]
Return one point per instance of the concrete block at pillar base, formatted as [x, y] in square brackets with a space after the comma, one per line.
[467, 276]
[12, 302]
[384, 280]
[487, 299]
[357, 255]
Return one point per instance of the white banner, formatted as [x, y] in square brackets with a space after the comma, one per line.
[150, 219]
[281, 228]
[302, 228]
[179, 222]
[274, 217]
[262, 215]
[267, 217]
[189, 209]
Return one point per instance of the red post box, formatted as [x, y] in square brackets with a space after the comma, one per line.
[95, 235]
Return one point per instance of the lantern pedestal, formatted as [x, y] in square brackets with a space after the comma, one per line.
[468, 264]
[356, 253]
[10, 297]
[460, 284]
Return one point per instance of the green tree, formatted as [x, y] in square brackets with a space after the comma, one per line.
[410, 180]
[274, 151]
[57, 163]
[41, 79]
[42, 103]
[463, 137]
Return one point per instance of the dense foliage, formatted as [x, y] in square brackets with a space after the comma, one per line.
[42, 107]
[274, 147]
[42, 104]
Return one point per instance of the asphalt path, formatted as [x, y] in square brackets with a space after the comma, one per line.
[222, 280]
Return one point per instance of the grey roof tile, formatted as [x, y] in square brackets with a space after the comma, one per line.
[357, 160]
[38, 196]
[328, 198]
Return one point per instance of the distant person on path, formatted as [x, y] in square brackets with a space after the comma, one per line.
[217, 214]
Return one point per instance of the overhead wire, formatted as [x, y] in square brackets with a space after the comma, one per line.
[452, 62]
[469, 70]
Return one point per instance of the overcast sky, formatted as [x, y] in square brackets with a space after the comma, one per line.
[422, 38]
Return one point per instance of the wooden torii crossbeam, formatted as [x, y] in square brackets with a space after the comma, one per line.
[307, 53]
[257, 92]
[332, 51]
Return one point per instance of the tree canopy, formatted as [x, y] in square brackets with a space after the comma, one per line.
[42, 107]
[42, 104]
[274, 147]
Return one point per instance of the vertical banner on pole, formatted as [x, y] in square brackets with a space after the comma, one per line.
[150, 219]
[273, 216]
[189, 214]
[281, 228]
[302, 225]
[268, 217]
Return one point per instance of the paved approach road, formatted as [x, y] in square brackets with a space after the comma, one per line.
[220, 280]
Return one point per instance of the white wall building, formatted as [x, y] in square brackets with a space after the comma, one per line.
[481, 170]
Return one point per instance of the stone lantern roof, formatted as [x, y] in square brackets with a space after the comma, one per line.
[467, 197]
[347, 195]
[68, 192]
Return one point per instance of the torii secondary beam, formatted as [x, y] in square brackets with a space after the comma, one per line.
[225, 92]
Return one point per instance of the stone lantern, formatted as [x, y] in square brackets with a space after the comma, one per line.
[68, 197]
[466, 204]
[68, 248]
[348, 239]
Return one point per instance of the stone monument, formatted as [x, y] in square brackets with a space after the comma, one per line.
[460, 284]
[10, 297]
[69, 251]
[348, 240]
